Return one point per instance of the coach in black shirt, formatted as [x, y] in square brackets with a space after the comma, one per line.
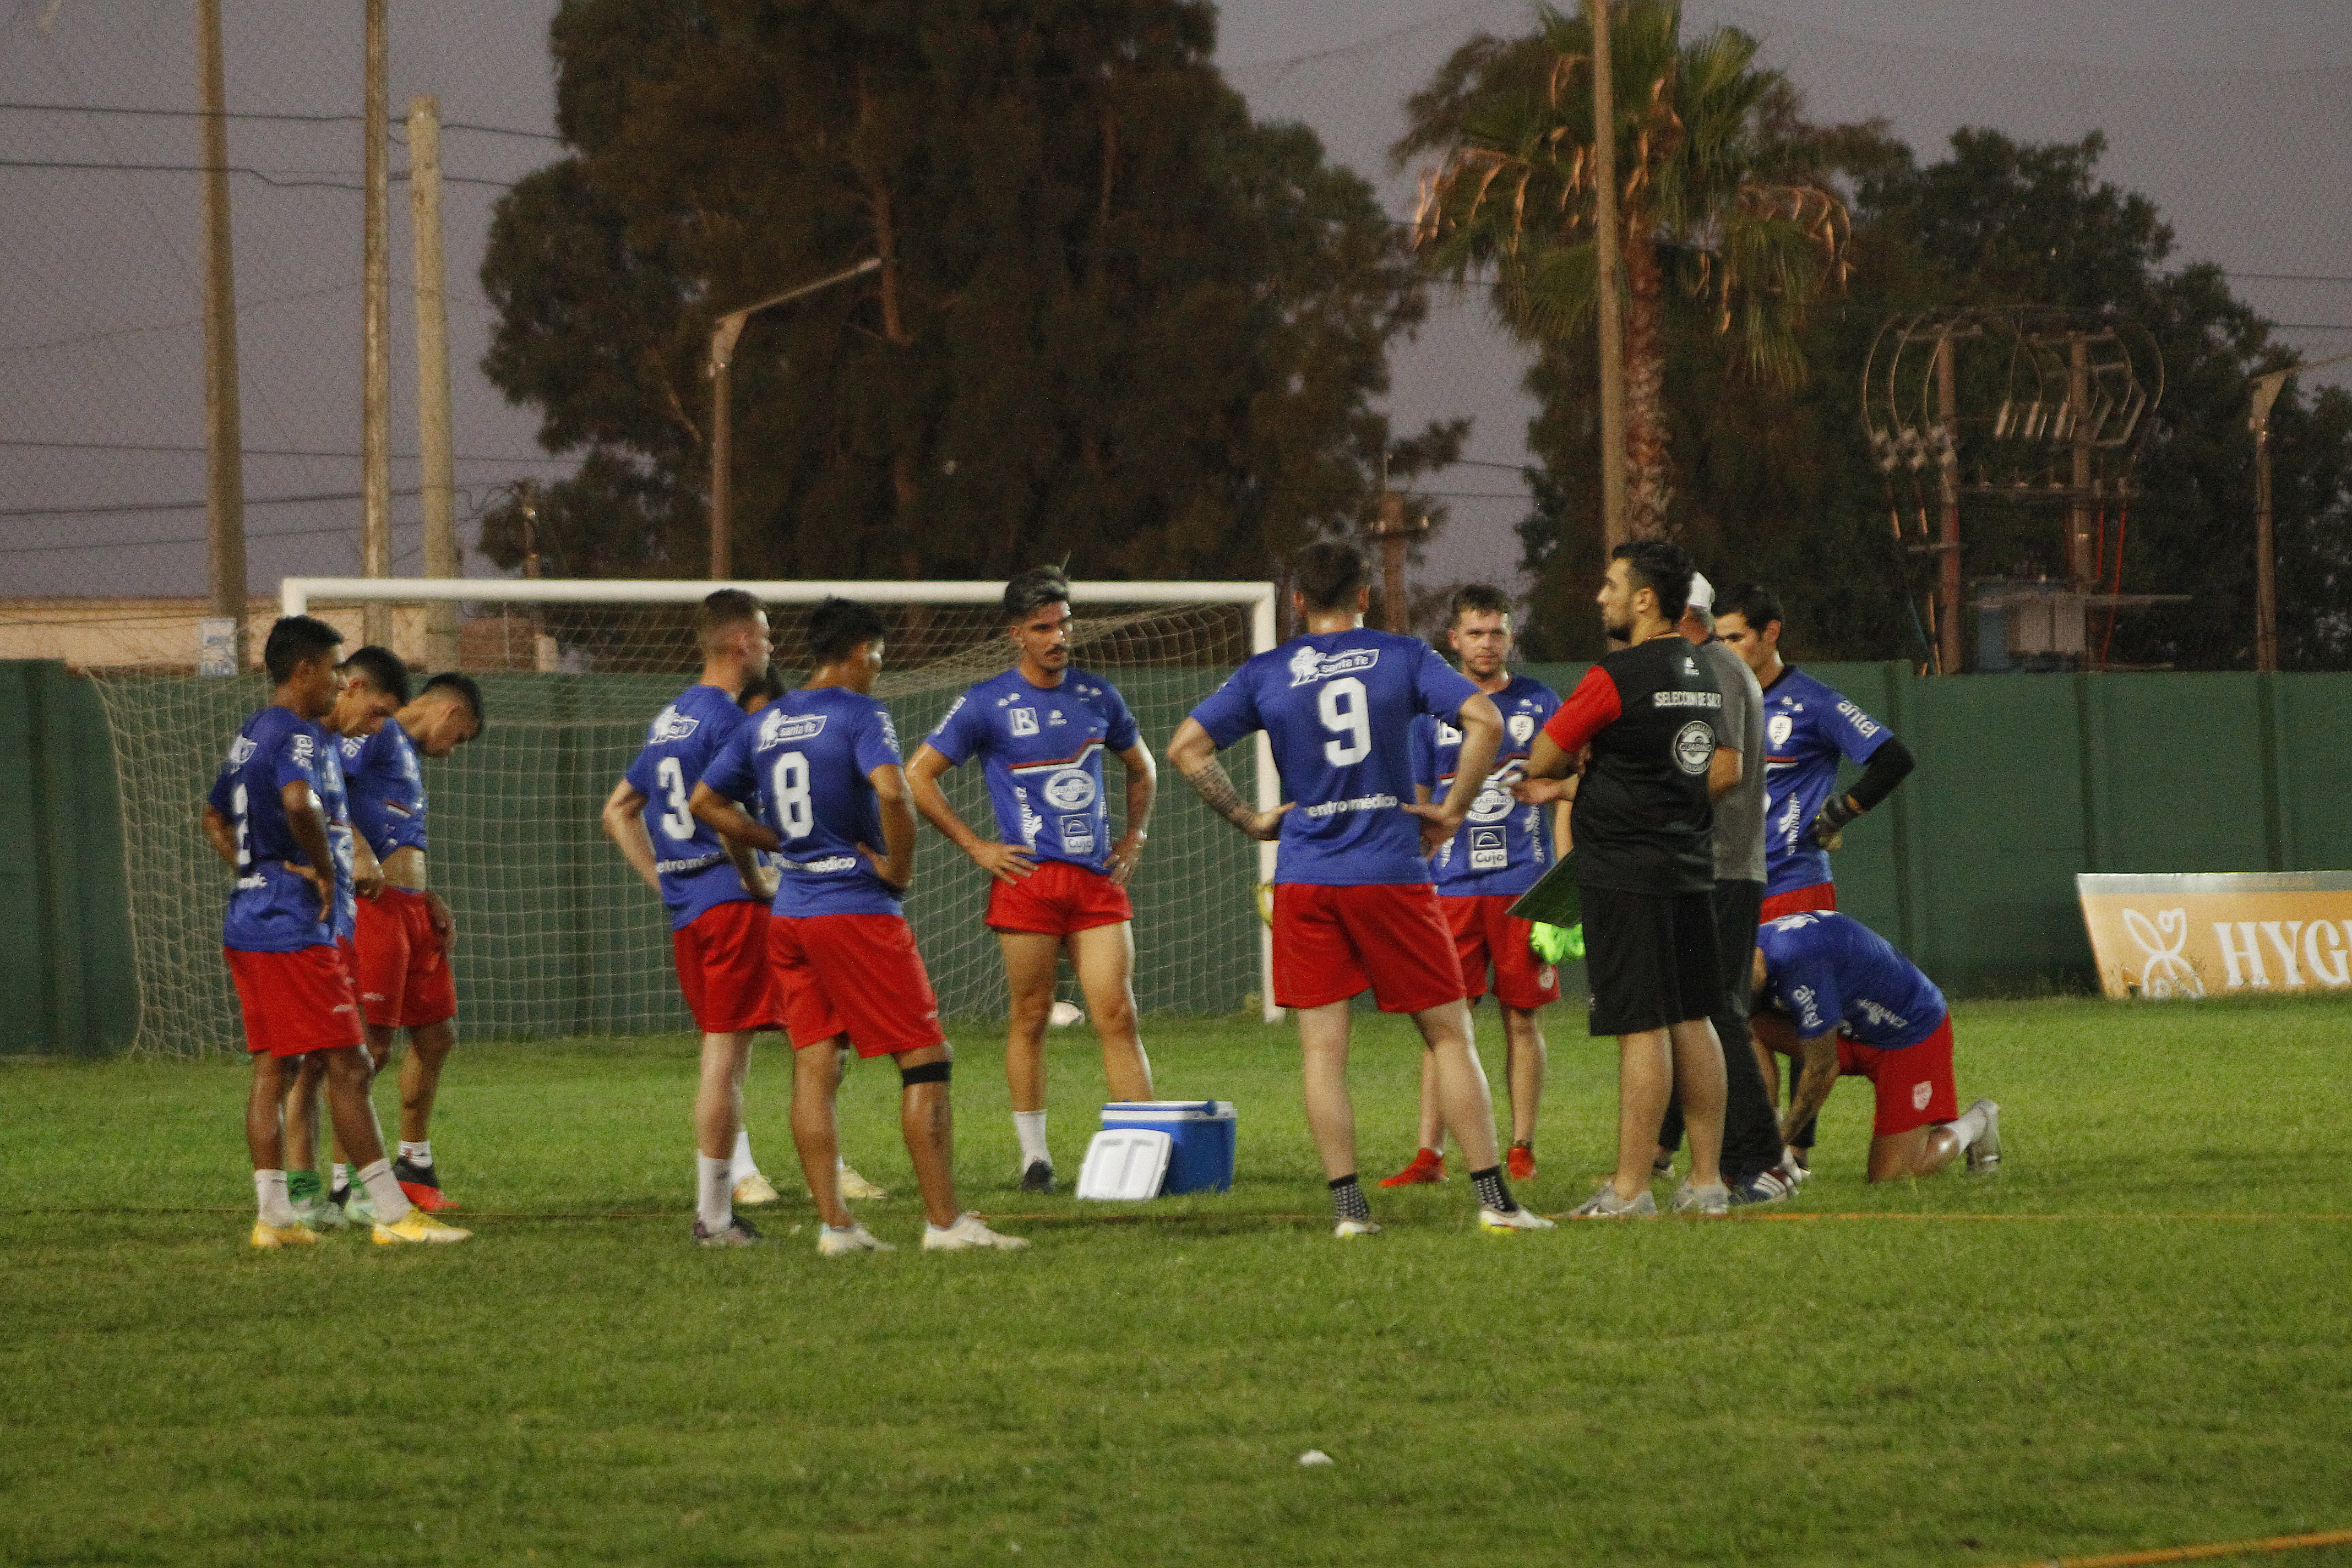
[1643, 826]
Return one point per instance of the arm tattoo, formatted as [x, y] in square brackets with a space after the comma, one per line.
[1215, 787]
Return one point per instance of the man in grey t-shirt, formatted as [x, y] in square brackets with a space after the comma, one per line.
[1754, 1165]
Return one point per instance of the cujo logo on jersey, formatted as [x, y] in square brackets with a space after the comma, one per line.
[1306, 666]
[1694, 747]
[673, 725]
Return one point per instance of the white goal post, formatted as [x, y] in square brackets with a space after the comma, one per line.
[1256, 601]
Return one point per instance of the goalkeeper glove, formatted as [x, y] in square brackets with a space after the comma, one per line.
[1828, 829]
[1555, 944]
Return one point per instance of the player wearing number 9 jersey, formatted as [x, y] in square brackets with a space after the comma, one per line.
[1353, 903]
[716, 894]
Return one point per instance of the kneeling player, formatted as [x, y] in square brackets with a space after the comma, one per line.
[1836, 996]
[821, 763]
[264, 817]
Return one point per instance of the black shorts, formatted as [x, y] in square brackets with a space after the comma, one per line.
[1650, 958]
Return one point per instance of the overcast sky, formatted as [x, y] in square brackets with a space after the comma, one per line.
[2236, 120]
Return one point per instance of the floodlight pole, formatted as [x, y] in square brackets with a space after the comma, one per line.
[224, 443]
[2266, 391]
[723, 338]
[1613, 326]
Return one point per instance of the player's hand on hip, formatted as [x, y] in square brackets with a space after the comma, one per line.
[895, 878]
[1542, 792]
[318, 885]
[370, 887]
[763, 886]
[1005, 862]
[1267, 825]
[444, 924]
[1123, 856]
[1437, 825]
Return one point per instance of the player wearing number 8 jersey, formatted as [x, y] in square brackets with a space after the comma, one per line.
[716, 894]
[822, 767]
[1353, 904]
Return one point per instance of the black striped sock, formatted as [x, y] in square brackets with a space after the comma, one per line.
[1348, 1199]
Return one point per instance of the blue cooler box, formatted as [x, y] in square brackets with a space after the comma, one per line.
[1200, 1133]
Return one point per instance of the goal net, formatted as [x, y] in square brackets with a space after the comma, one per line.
[556, 937]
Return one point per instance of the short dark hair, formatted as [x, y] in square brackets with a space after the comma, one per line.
[765, 686]
[1030, 591]
[721, 612]
[1752, 602]
[1327, 574]
[295, 640]
[1476, 599]
[1660, 566]
[838, 626]
[382, 670]
[466, 687]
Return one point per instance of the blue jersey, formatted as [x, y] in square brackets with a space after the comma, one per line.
[271, 909]
[1807, 727]
[1338, 708]
[334, 799]
[1829, 970]
[1042, 752]
[802, 763]
[387, 786]
[1503, 847]
[695, 873]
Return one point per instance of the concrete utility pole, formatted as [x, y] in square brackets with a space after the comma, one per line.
[223, 438]
[376, 379]
[1613, 326]
[438, 477]
[1395, 530]
[2266, 391]
[1948, 476]
[723, 338]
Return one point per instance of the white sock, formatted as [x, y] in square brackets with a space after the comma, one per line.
[1969, 1128]
[391, 1205]
[342, 1177]
[714, 1192]
[1030, 1125]
[740, 1164]
[419, 1155]
[269, 1196]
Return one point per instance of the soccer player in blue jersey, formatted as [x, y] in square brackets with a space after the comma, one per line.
[822, 767]
[1836, 996]
[1353, 903]
[264, 817]
[716, 893]
[1499, 853]
[1806, 728]
[1058, 879]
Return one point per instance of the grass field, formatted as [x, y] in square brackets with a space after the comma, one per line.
[2133, 1337]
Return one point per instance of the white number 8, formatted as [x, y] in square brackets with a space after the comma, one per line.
[1350, 719]
[788, 787]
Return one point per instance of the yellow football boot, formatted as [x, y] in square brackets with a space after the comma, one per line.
[267, 1235]
[417, 1225]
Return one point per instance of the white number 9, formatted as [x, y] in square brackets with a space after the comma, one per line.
[1348, 718]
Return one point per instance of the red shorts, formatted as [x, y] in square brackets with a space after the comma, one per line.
[1057, 899]
[1484, 932]
[295, 1002]
[723, 968]
[1329, 943]
[1913, 1082]
[854, 974]
[1798, 901]
[404, 974]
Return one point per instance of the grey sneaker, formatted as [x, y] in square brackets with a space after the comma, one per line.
[1606, 1204]
[1713, 1200]
[852, 1238]
[1984, 1154]
[738, 1232]
[969, 1234]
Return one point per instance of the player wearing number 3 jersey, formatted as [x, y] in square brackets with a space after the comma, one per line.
[1353, 903]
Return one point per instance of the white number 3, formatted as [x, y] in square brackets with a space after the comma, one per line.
[1348, 718]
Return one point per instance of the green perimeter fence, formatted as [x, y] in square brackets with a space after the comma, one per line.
[2023, 782]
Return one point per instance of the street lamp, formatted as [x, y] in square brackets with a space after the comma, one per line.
[2266, 391]
[722, 360]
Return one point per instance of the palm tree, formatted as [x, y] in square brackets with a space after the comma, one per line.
[1708, 201]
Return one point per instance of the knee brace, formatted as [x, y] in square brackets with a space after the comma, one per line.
[930, 1072]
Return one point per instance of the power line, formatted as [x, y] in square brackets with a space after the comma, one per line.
[132, 110]
[129, 507]
[305, 183]
[243, 305]
[259, 451]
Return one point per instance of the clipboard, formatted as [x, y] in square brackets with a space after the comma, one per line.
[1555, 899]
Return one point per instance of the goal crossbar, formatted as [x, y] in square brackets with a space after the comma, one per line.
[296, 596]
